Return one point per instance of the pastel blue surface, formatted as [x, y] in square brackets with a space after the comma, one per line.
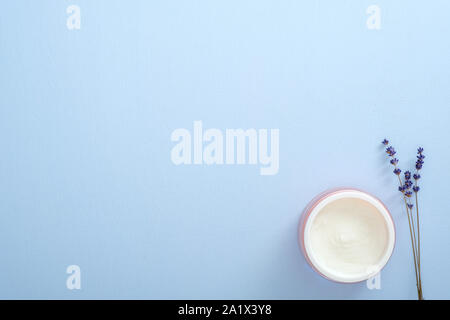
[86, 116]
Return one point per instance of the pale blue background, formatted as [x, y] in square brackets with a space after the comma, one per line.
[85, 123]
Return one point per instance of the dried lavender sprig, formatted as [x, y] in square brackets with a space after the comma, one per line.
[407, 194]
[416, 188]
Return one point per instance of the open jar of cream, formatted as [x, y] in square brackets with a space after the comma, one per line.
[346, 235]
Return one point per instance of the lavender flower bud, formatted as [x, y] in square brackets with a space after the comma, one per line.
[394, 161]
[407, 175]
[390, 151]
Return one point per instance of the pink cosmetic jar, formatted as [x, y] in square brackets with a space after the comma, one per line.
[346, 235]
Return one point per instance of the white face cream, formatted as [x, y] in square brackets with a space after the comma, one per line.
[348, 236]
